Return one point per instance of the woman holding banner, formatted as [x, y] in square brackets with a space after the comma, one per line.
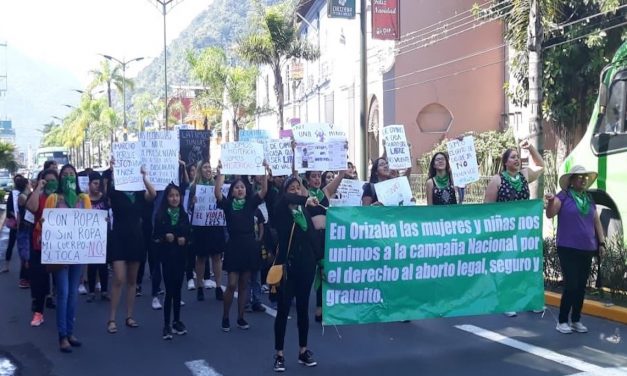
[67, 278]
[579, 236]
[127, 245]
[439, 187]
[206, 240]
[243, 254]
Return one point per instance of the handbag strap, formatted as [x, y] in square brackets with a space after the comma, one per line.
[289, 245]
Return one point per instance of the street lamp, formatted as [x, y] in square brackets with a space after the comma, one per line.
[123, 63]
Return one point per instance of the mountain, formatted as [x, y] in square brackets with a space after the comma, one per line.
[221, 24]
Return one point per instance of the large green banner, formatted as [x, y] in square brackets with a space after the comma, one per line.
[387, 264]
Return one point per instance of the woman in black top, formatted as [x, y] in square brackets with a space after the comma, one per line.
[243, 254]
[299, 252]
[439, 186]
[171, 234]
[380, 171]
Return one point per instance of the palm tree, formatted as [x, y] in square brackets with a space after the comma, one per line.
[274, 41]
[7, 158]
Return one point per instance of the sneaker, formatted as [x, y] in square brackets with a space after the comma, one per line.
[24, 284]
[564, 328]
[50, 303]
[258, 307]
[209, 284]
[179, 328]
[226, 325]
[539, 310]
[191, 285]
[167, 333]
[200, 294]
[242, 324]
[579, 327]
[265, 289]
[156, 304]
[98, 286]
[90, 297]
[279, 363]
[307, 359]
[37, 320]
[182, 303]
[81, 289]
[219, 293]
[248, 308]
[138, 291]
[510, 314]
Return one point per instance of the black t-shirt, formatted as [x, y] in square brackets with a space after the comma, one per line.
[240, 222]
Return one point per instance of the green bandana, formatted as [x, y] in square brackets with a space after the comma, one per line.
[68, 187]
[317, 193]
[582, 200]
[205, 182]
[441, 181]
[275, 189]
[515, 182]
[299, 218]
[131, 196]
[174, 215]
[238, 203]
[51, 187]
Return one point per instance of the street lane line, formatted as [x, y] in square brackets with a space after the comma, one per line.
[201, 368]
[620, 371]
[535, 350]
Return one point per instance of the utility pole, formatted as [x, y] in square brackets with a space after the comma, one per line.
[362, 152]
[534, 47]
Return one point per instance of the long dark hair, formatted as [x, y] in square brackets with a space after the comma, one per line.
[505, 157]
[433, 171]
[374, 176]
[163, 208]
[232, 187]
[65, 167]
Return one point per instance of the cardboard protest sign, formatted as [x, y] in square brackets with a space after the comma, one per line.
[74, 236]
[394, 192]
[83, 183]
[253, 135]
[242, 158]
[317, 133]
[463, 161]
[279, 155]
[331, 156]
[127, 157]
[348, 193]
[160, 156]
[206, 212]
[396, 146]
[194, 146]
[285, 133]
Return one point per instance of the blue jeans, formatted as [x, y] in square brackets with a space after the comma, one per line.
[255, 288]
[67, 280]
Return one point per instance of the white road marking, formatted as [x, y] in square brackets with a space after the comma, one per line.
[269, 310]
[621, 371]
[201, 368]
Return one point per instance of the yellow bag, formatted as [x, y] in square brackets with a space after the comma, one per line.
[277, 273]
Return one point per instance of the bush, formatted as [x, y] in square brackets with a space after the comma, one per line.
[3, 195]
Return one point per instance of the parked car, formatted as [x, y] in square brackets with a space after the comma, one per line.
[6, 182]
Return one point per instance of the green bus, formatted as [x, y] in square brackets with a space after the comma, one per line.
[603, 148]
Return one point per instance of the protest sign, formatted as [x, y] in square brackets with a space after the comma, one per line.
[387, 264]
[253, 135]
[74, 236]
[394, 192]
[317, 133]
[127, 157]
[331, 156]
[348, 193]
[396, 146]
[15, 195]
[463, 161]
[285, 133]
[194, 146]
[242, 158]
[160, 156]
[279, 155]
[83, 183]
[206, 212]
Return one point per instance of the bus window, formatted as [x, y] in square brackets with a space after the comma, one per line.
[613, 122]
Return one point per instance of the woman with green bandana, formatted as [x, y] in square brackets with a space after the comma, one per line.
[579, 237]
[512, 184]
[39, 277]
[243, 254]
[67, 279]
[439, 187]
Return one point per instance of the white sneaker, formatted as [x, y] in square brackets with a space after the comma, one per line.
[82, 290]
[182, 303]
[564, 328]
[98, 286]
[209, 284]
[510, 314]
[191, 285]
[156, 304]
[579, 327]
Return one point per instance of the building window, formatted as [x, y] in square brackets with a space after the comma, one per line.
[434, 118]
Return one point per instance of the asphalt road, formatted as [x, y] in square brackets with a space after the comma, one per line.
[484, 345]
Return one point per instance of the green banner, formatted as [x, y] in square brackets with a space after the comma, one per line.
[387, 264]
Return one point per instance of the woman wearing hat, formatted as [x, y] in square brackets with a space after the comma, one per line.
[579, 236]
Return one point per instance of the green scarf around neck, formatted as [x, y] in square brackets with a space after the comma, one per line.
[238, 203]
[205, 182]
[441, 181]
[582, 200]
[131, 196]
[174, 214]
[515, 182]
[299, 218]
[68, 188]
[51, 187]
[317, 193]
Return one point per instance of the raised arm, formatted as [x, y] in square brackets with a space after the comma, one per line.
[150, 193]
[331, 188]
[264, 182]
[32, 204]
[217, 190]
[553, 205]
[535, 169]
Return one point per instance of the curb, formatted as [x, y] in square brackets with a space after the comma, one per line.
[592, 308]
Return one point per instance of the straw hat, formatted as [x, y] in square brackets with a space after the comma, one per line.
[577, 170]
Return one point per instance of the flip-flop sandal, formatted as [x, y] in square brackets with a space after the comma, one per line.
[111, 327]
[131, 323]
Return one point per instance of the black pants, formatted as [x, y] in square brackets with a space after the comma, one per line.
[12, 239]
[173, 264]
[576, 267]
[297, 284]
[103, 272]
[39, 281]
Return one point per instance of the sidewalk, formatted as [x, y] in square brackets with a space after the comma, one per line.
[592, 308]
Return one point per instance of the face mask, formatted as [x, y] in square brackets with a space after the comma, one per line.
[51, 187]
[68, 186]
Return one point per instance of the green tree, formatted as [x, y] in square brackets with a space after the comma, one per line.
[7, 156]
[146, 108]
[274, 41]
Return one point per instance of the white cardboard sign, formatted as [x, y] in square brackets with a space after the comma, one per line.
[206, 212]
[242, 158]
[396, 146]
[463, 161]
[394, 192]
[160, 155]
[279, 155]
[127, 176]
[332, 156]
[349, 193]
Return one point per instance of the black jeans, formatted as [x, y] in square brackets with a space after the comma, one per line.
[39, 281]
[12, 239]
[297, 284]
[173, 264]
[103, 272]
[576, 265]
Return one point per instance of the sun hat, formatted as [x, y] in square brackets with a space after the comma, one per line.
[577, 170]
